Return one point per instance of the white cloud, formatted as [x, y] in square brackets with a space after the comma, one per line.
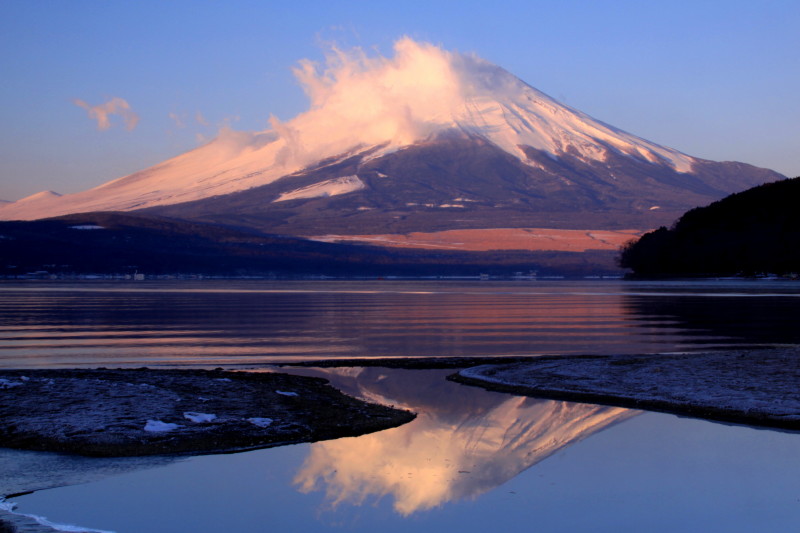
[200, 119]
[367, 99]
[102, 112]
[178, 120]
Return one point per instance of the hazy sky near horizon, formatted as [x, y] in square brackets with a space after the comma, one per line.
[95, 90]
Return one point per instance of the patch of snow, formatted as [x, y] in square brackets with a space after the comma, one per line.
[157, 426]
[285, 393]
[10, 507]
[199, 417]
[7, 383]
[324, 189]
[260, 422]
[655, 207]
[451, 205]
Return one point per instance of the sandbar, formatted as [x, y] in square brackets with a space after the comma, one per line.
[135, 412]
[754, 387]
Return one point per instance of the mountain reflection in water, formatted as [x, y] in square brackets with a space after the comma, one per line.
[460, 446]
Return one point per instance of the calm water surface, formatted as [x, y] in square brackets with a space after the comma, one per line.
[472, 460]
[219, 323]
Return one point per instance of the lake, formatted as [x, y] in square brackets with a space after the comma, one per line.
[472, 460]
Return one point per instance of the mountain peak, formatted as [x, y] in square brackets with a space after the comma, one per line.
[375, 106]
[424, 89]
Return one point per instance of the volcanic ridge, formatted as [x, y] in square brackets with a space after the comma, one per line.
[426, 141]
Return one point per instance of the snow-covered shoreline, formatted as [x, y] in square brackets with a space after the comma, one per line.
[754, 387]
[138, 412]
[133, 412]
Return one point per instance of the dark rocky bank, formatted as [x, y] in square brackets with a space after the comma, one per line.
[129, 412]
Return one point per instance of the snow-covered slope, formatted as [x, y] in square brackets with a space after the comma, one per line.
[363, 103]
[333, 187]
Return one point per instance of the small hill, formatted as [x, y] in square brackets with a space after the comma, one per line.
[752, 232]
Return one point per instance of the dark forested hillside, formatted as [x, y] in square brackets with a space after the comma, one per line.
[119, 243]
[755, 231]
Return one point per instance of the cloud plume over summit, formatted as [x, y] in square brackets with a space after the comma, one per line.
[358, 99]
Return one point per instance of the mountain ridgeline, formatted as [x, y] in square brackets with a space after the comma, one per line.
[752, 232]
[473, 155]
[378, 152]
[458, 181]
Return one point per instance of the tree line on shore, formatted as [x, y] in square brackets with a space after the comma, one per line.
[748, 233]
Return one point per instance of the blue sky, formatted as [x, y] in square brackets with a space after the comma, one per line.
[715, 79]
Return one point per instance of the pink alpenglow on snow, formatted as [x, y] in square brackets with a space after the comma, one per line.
[359, 103]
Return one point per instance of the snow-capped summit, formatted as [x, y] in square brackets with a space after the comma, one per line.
[372, 118]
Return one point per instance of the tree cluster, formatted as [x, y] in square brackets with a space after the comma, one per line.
[753, 232]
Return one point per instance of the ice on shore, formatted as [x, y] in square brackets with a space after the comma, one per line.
[7, 383]
[751, 386]
[10, 507]
[286, 393]
[199, 417]
[260, 422]
[104, 412]
[157, 426]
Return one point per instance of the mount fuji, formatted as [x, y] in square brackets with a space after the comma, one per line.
[426, 141]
